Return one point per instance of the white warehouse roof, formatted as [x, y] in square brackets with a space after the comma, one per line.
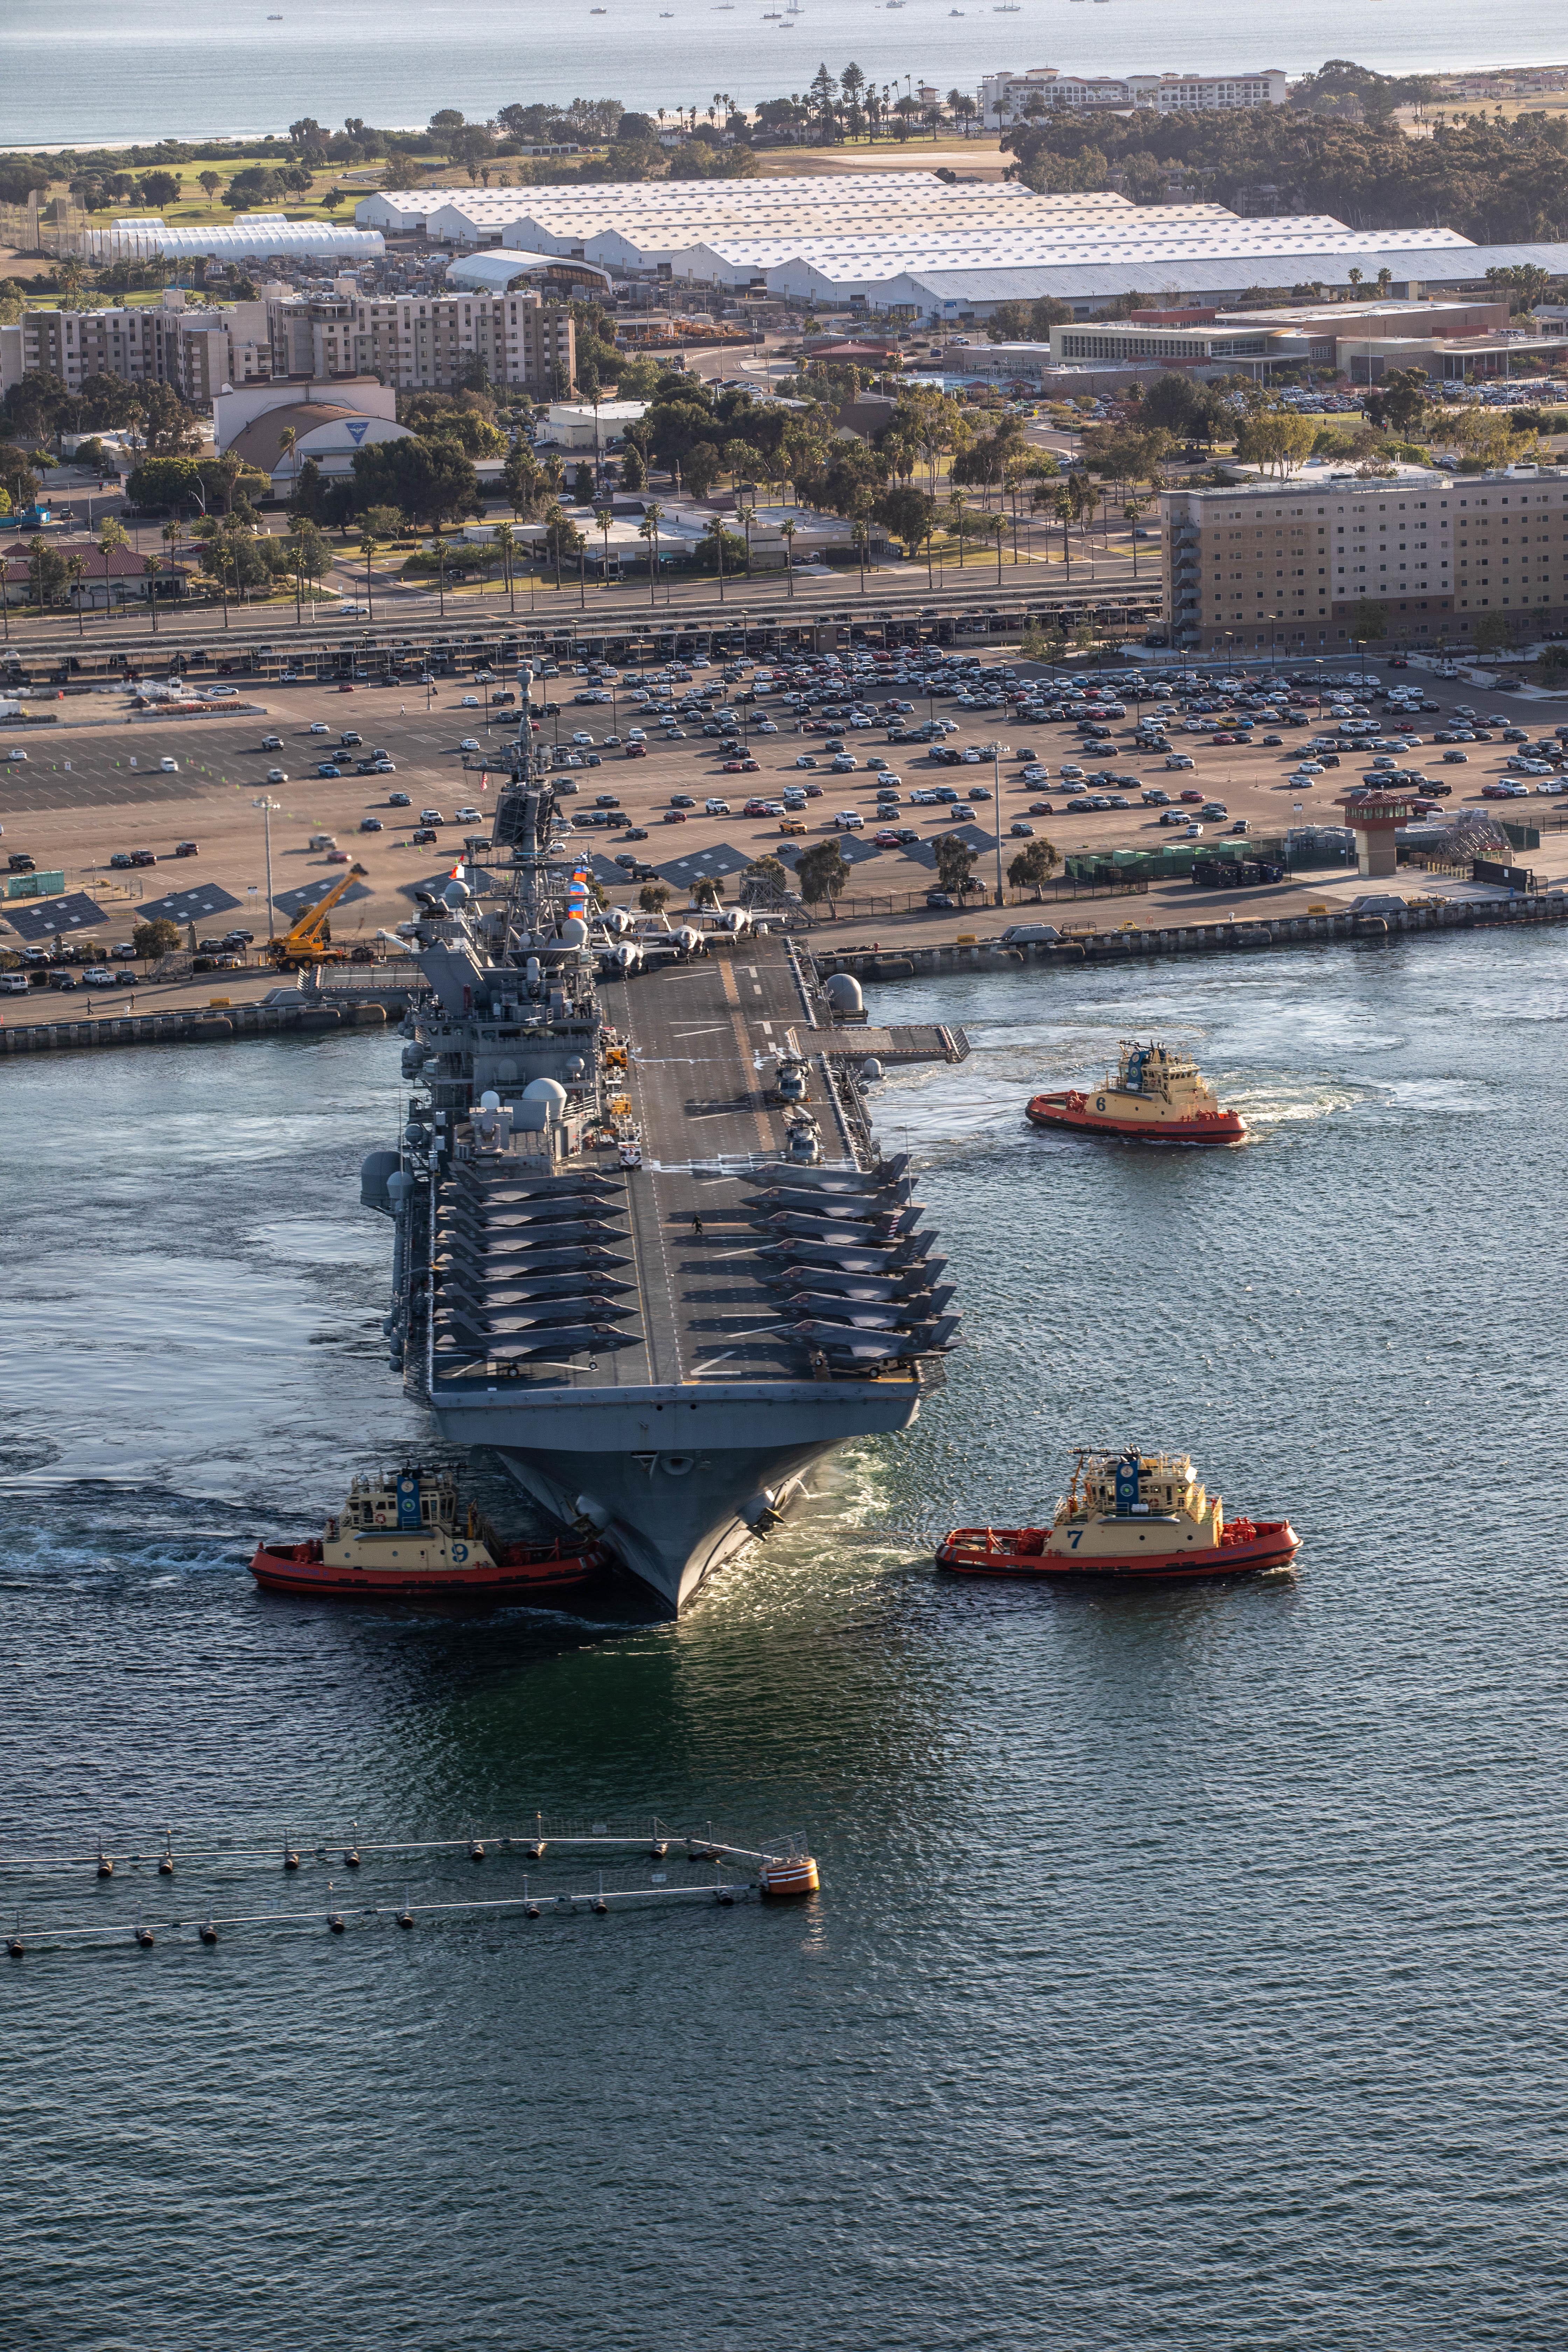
[251, 237]
[909, 239]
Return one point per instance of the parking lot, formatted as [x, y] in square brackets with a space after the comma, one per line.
[87, 793]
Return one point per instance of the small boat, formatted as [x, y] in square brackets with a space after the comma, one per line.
[400, 1535]
[1135, 1519]
[1154, 1097]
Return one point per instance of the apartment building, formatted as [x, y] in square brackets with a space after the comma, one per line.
[1283, 565]
[196, 351]
[426, 343]
[1011, 97]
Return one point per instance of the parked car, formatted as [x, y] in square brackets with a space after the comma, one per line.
[370, 825]
[398, 800]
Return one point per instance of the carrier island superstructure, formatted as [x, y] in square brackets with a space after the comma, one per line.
[644, 1245]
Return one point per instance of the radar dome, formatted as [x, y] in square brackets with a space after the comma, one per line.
[574, 932]
[842, 990]
[456, 894]
[549, 1093]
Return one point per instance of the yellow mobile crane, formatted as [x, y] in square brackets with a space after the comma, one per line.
[307, 941]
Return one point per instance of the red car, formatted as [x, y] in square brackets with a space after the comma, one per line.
[675, 816]
[757, 808]
[740, 767]
[1041, 808]
[886, 840]
[1197, 799]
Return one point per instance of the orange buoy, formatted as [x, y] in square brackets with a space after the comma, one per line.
[795, 1877]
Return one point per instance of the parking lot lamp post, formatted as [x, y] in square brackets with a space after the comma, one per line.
[267, 804]
[996, 815]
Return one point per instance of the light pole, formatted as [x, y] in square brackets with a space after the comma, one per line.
[996, 818]
[267, 804]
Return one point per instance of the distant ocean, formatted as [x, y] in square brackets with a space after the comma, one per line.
[142, 69]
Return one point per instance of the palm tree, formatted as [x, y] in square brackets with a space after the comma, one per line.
[506, 540]
[151, 568]
[715, 531]
[786, 532]
[1131, 508]
[111, 536]
[653, 515]
[368, 548]
[286, 442]
[605, 517]
[1062, 507]
[860, 533]
[76, 572]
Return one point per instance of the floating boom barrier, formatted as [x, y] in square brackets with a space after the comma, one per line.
[740, 1874]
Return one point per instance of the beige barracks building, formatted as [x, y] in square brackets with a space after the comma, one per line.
[1281, 566]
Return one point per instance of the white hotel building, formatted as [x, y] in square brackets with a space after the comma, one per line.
[1009, 98]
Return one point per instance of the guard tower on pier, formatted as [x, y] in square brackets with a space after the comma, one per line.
[1375, 818]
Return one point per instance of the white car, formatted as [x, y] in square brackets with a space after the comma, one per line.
[470, 744]
[765, 727]
[849, 821]
[98, 976]
[318, 727]
[169, 767]
[469, 703]
[582, 741]
[470, 816]
[1309, 768]
[15, 755]
[1173, 760]
[717, 807]
[274, 775]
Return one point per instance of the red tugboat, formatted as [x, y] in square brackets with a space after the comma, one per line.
[1155, 1097]
[397, 1537]
[1138, 1518]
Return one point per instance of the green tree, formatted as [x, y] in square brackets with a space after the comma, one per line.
[163, 482]
[1402, 403]
[701, 469]
[653, 898]
[309, 492]
[161, 937]
[168, 427]
[46, 574]
[383, 522]
[822, 873]
[210, 182]
[1032, 866]
[1493, 634]
[955, 865]
[431, 481]
[908, 513]
[520, 478]
[633, 474]
[1368, 621]
[1277, 440]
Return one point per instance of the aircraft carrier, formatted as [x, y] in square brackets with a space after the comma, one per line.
[644, 1247]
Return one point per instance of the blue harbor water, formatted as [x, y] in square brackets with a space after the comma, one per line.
[1188, 1968]
[143, 70]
